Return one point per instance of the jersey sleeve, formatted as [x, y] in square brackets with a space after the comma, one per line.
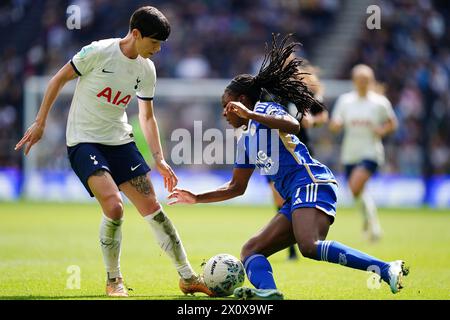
[386, 110]
[242, 159]
[147, 89]
[270, 109]
[86, 59]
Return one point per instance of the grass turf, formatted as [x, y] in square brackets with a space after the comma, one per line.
[40, 241]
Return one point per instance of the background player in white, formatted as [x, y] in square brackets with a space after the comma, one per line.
[100, 140]
[366, 117]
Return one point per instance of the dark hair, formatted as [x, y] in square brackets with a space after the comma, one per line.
[282, 80]
[151, 23]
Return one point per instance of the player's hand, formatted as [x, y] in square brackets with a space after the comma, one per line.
[181, 196]
[379, 131]
[32, 135]
[239, 109]
[170, 178]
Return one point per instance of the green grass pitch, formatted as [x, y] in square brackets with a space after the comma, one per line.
[39, 242]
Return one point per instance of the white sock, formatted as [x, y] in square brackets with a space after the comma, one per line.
[110, 242]
[169, 240]
[370, 210]
[359, 203]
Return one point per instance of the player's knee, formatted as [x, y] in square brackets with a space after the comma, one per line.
[308, 248]
[356, 192]
[154, 206]
[249, 248]
[113, 207]
[355, 189]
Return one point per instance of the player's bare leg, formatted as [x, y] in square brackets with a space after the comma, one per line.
[107, 194]
[141, 193]
[279, 201]
[275, 236]
[357, 182]
[310, 225]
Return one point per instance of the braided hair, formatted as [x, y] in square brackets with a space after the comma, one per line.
[282, 79]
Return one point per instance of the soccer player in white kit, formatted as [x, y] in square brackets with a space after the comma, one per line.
[366, 118]
[100, 141]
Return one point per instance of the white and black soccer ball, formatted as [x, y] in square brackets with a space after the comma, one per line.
[223, 273]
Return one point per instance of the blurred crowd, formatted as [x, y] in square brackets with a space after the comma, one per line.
[210, 38]
[219, 39]
[411, 57]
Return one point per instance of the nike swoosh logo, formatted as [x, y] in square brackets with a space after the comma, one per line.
[134, 168]
[105, 71]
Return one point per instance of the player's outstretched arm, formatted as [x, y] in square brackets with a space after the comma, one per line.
[336, 125]
[150, 130]
[285, 123]
[36, 130]
[388, 127]
[309, 120]
[232, 189]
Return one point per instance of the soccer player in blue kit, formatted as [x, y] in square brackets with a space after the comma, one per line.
[308, 187]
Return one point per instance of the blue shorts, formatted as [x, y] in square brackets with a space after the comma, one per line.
[369, 165]
[123, 162]
[321, 196]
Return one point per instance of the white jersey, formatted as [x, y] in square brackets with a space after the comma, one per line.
[108, 80]
[359, 116]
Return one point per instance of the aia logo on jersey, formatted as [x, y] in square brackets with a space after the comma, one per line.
[117, 99]
[361, 123]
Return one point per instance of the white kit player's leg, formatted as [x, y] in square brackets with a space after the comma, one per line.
[140, 191]
[170, 242]
[110, 242]
[371, 215]
[358, 203]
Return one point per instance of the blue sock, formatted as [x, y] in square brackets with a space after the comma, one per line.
[335, 252]
[259, 272]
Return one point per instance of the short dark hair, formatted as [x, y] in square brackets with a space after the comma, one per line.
[151, 23]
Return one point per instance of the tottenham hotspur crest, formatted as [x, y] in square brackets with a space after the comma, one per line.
[93, 159]
[137, 84]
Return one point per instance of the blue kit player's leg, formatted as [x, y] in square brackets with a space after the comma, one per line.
[259, 271]
[279, 203]
[275, 236]
[311, 219]
[335, 252]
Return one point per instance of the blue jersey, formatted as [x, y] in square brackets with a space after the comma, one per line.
[281, 156]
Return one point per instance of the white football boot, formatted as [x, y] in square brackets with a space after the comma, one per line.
[397, 270]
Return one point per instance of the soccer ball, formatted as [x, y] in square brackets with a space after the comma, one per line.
[223, 273]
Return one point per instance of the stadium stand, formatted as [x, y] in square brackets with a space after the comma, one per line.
[218, 39]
